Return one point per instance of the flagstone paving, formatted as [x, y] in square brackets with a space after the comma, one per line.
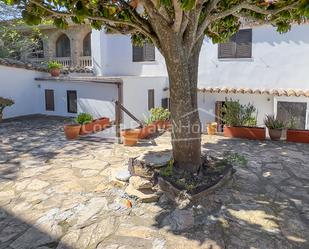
[61, 194]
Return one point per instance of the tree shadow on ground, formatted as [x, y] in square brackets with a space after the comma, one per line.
[18, 234]
[244, 213]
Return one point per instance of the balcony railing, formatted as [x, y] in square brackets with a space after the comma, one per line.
[85, 61]
[65, 61]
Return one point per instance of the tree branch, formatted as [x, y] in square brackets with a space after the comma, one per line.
[178, 16]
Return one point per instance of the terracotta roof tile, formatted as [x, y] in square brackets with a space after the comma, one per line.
[274, 92]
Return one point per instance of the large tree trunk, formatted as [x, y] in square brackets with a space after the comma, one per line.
[186, 133]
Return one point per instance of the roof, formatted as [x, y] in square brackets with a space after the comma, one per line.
[274, 92]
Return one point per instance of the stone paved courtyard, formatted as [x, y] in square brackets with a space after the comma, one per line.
[63, 194]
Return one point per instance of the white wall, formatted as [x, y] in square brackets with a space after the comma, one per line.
[206, 103]
[94, 98]
[19, 85]
[115, 57]
[135, 97]
[278, 61]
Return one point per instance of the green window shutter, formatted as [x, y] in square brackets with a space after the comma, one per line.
[227, 49]
[49, 100]
[151, 99]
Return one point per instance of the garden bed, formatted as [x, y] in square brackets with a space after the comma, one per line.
[213, 174]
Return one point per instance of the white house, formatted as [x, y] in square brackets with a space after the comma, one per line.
[258, 65]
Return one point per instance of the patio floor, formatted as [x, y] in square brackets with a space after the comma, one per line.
[61, 194]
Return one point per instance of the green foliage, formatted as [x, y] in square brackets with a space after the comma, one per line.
[159, 114]
[234, 159]
[236, 114]
[273, 123]
[84, 118]
[54, 65]
[168, 170]
[4, 103]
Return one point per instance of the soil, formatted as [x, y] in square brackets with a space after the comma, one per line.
[210, 173]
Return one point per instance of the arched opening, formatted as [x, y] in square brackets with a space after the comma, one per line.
[63, 46]
[87, 45]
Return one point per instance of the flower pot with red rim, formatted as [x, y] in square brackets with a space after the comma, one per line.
[162, 124]
[71, 131]
[297, 136]
[55, 72]
[254, 133]
[130, 136]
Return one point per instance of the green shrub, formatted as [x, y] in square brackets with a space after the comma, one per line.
[236, 114]
[159, 114]
[4, 103]
[273, 123]
[84, 118]
[54, 65]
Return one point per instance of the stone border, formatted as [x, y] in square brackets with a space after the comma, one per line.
[173, 192]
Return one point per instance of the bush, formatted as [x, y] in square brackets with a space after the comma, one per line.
[273, 123]
[159, 114]
[236, 114]
[54, 65]
[4, 103]
[84, 118]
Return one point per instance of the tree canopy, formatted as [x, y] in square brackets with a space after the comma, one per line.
[191, 19]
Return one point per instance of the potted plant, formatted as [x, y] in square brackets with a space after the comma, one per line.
[101, 123]
[85, 120]
[160, 117]
[275, 127]
[4, 103]
[71, 131]
[54, 68]
[240, 122]
[130, 136]
[147, 130]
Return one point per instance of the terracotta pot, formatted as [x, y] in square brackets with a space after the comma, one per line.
[55, 72]
[71, 131]
[254, 133]
[130, 136]
[87, 128]
[162, 124]
[211, 128]
[275, 134]
[297, 136]
[104, 122]
[147, 131]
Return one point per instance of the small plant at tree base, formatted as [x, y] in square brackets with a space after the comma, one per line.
[234, 159]
[84, 118]
[159, 114]
[273, 123]
[4, 103]
[168, 170]
[236, 114]
[54, 65]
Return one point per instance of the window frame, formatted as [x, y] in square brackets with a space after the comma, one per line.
[68, 101]
[47, 106]
[151, 98]
[234, 43]
[144, 52]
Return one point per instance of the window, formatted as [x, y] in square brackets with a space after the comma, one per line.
[145, 53]
[72, 101]
[63, 46]
[151, 100]
[49, 100]
[38, 50]
[87, 45]
[239, 46]
[165, 103]
[292, 113]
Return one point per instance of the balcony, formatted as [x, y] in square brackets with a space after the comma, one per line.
[85, 61]
[82, 61]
